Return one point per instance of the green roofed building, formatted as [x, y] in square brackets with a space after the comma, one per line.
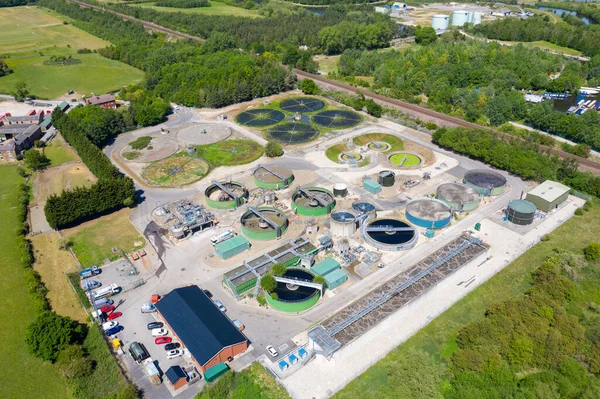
[372, 186]
[63, 106]
[232, 247]
[336, 278]
[548, 195]
[325, 267]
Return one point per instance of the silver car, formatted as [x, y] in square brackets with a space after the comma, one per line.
[220, 306]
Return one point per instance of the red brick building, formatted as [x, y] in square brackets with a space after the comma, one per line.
[104, 101]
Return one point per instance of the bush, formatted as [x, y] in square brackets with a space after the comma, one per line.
[35, 160]
[50, 333]
[39, 144]
[579, 211]
[431, 126]
[261, 300]
[592, 251]
[545, 238]
[65, 243]
[278, 269]
[268, 283]
[273, 149]
[140, 143]
[373, 108]
[73, 363]
[320, 280]
[587, 206]
[308, 86]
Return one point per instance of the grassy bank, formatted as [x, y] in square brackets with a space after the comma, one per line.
[439, 337]
[254, 382]
[22, 376]
[216, 8]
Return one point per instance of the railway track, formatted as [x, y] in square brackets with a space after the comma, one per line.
[146, 24]
[433, 116]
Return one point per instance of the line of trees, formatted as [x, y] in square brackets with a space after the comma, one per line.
[523, 159]
[112, 191]
[13, 3]
[183, 3]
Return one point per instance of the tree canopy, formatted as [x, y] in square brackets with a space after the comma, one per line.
[50, 333]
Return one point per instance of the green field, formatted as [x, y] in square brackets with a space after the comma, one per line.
[406, 159]
[22, 376]
[438, 337]
[59, 152]
[230, 152]
[30, 35]
[329, 64]
[216, 8]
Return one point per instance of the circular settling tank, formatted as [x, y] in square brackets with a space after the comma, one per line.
[405, 159]
[337, 119]
[520, 212]
[486, 182]
[219, 196]
[428, 213]
[459, 197]
[294, 298]
[273, 177]
[350, 157]
[365, 211]
[342, 224]
[312, 201]
[379, 146]
[390, 234]
[264, 223]
[260, 117]
[302, 104]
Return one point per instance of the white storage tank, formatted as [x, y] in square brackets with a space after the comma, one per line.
[476, 18]
[342, 224]
[460, 17]
[440, 21]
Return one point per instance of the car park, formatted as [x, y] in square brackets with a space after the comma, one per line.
[172, 345]
[107, 308]
[155, 324]
[220, 305]
[159, 332]
[174, 353]
[163, 340]
[109, 324]
[114, 315]
[148, 308]
[272, 351]
[114, 330]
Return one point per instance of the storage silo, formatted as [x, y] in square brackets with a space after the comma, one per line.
[428, 213]
[340, 190]
[476, 18]
[487, 182]
[386, 178]
[460, 17]
[520, 212]
[440, 21]
[342, 224]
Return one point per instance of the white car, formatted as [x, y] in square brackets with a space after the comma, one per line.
[220, 306]
[109, 324]
[159, 332]
[174, 353]
[272, 351]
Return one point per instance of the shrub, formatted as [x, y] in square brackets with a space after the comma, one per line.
[320, 280]
[592, 251]
[273, 149]
[587, 206]
[39, 144]
[73, 363]
[579, 211]
[431, 126]
[50, 333]
[278, 269]
[36, 160]
[268, 283]
[545, 238]
[308, 86]
[261, 300]
[373, 108]
[65, 243]
[140, 143]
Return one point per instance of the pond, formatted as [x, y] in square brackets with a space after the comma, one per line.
[561, 12]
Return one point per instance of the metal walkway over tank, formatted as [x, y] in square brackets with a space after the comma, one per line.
[310, 196]
[271, 171]
[299, 281]
[388, 228]
[225, 190]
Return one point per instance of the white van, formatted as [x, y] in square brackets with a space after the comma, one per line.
[148, 308]
[105, 292]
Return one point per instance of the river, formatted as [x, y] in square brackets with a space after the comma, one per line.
[561, 12]
[564, 105]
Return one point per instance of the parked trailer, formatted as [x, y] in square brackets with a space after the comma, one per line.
[222, 237]
[105, 292]
[92, 271]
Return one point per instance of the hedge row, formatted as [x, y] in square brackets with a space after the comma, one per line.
[111, 192]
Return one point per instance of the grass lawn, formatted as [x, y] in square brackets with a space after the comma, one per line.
[93, 241]
[65, 177]
[333, 152]
[396, 143]
[59, 152]
[230, 152]
[254, 382]
[30, 35]
[175, 171]
[438, 337]
[216, 8]
[52, 264]
[544, 45]
[23, 376]
[328, 65]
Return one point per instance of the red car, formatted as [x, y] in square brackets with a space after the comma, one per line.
[107, 308]
[163, 340]
[114, 315]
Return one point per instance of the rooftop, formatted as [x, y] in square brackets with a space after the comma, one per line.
[175, 373]
[202, 328]
[101, 99]
[13, 129]
[335, 275]
[549, 190]
[326, 266]
[233, 242]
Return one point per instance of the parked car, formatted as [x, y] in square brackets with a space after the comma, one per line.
[114, 315]
[159, 332]
[220, 306]
[208, 293]
[92, 271]
[109, 324]
[107, 308]
[90, 284]
[148, 308]
[114, 330]
[238, 324]
[103, 302]
[174, 353]
[163, 340]
[155, 324]
[272, 351]
[172, 345]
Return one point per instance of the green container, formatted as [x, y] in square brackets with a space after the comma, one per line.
[232, 247]
[372, 186]
[478, 226]
[215, 372]
[429, 233]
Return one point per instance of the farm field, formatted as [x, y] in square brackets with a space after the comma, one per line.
[59, 152]
[93, 241]
[17, 311]
[327, 65]
[31, 35]
[438, 338]
[56, 179]
[52, 263]
[216, 8]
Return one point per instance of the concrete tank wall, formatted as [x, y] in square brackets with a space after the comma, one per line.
[459, 18]
[440, 22]
[476, 20]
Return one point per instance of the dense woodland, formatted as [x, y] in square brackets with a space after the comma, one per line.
[183, 3]
[516, 156]
[585, 38]
[111, 192]
[13, 3]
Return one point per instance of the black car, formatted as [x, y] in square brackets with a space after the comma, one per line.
[155, 324]
[171, 346]
[208, 293]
